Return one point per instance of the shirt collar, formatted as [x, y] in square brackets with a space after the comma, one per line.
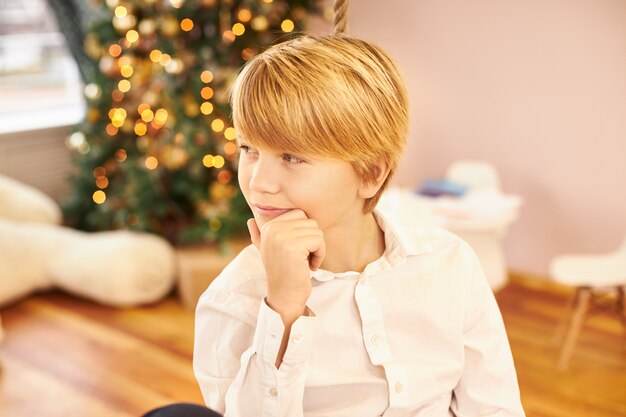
[401, 240]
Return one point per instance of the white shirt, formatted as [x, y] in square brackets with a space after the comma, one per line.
[417, 333]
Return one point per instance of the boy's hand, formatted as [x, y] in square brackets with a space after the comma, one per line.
[290, 244]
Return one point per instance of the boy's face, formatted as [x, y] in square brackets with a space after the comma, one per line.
[274, 182]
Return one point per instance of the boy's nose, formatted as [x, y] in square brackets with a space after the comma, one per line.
[264, 178]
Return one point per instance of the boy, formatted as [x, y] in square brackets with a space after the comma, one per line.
[335, 310]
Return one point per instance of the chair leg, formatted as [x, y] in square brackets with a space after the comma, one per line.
[582, 305]
[621, 302]
[566, 318]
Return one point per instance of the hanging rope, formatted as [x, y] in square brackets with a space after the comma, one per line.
[341, 17]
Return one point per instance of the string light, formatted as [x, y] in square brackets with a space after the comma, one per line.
[126, 71]
[102, 182]
[120, 155]
[120, 11]
[123, 61]
[239, 29]
[206, 108]
[115, 50]
[160, 116]
[155, 55]
[76, 139]
[124, 86]
[259, 23]
[186, 24]
[142, 108]
[140, 129]
[175, 66]
[230, 148]
[151, 162]
[218, 161]
[84, 149]
[92, 91]
[207, 161]
[228, 36]
[147, 27]
[99, 172]
[244, 15]
[217, 125]
[247, 53]
[147, 115]
[111, 130]
[117, 122]
[117, 95]
[165, 59]
[224, 177]
[206, 76]
[132, 36]
[287, 25]
[113, 112]
[230, 133]
[99, 197]
[206, 93]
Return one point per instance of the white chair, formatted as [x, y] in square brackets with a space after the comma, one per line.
[594, 277]
[477, 175]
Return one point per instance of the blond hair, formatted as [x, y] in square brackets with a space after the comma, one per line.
[330, 96]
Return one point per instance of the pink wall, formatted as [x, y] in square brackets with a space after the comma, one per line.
[536, 87]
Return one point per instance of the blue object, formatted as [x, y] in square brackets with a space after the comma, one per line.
[438, 187]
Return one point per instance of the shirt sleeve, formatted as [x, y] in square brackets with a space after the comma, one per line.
[488, 385]
[235, 353]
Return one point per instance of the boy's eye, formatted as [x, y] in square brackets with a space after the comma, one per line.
[245, 149]
[292, 159]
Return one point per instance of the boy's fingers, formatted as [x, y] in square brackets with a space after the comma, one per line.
[255, 233]
[316, 257]
[293, 214]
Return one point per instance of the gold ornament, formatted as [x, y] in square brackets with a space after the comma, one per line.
[92, 91]
[92, 46]
[107, 65]
[173, 157]
[147, 27]
[221, 192]
[93, 115]
[124, 24]
[170, 26]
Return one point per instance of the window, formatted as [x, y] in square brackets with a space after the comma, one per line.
[40, 84]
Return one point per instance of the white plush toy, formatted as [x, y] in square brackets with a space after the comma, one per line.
[119, 268]
[21, 202]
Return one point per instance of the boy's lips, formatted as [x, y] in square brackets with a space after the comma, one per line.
[269, 211]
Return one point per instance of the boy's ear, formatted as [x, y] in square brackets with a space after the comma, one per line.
[368, 189]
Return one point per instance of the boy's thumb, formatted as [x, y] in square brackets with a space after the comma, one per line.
[255, 233]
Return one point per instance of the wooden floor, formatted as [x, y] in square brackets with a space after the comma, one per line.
[66, 357]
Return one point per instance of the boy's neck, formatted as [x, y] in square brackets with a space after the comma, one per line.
[354, 246]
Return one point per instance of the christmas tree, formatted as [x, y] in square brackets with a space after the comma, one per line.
[156, 151]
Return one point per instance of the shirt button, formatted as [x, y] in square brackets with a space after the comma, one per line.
[398, 388]
[273, 391]
[296, 338]
[375, 339]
